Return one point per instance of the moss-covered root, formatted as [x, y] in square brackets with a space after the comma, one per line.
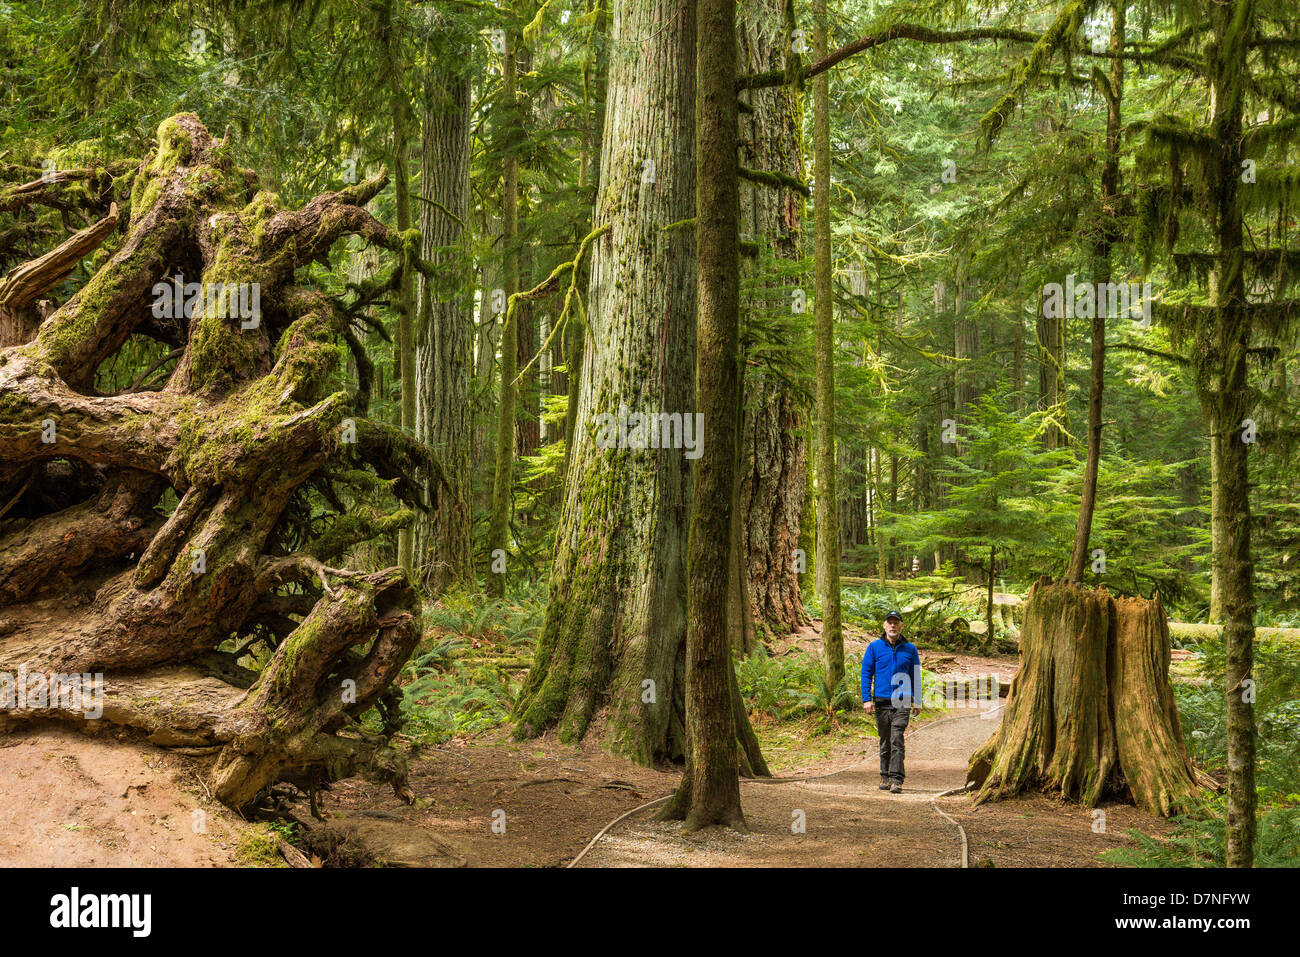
[317, 683]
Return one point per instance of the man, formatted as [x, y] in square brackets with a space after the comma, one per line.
[891, 685]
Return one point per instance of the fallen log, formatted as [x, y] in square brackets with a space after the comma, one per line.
[274, 476]
[1196, 632]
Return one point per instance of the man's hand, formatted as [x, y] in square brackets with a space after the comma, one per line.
[915, 712]
[868, 706]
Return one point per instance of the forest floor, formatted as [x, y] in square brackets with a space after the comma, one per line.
[79, 800]
[844, 820]
[485, 800]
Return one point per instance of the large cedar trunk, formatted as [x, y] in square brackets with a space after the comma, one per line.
[97, 577]
[615, 624]
[774, 448]
[1091, 713]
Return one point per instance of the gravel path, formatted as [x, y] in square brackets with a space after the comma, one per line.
[846, 820]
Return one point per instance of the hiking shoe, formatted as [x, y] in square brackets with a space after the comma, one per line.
[895, 788]
[884, 785]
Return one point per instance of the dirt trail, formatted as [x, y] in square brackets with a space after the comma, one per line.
[849, 822]
[78, 800]
[72, 800]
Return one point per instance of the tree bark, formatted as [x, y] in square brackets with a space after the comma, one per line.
[1090, 712]
[444, 344]
[1223, 385]
[773, 444]
[710, 790]
[615, 628]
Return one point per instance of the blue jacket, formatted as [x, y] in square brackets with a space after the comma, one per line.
[890, 671]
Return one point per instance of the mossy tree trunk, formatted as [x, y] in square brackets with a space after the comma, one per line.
[774, 451]
[614, 634]
[1223, 385]
[1091, 712]
[96, 576]
[710, 789]
[444, 341]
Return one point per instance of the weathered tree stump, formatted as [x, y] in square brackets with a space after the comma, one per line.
[275, 474]
[1091, 712]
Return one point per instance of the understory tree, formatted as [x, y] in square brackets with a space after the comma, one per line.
[1090, 712]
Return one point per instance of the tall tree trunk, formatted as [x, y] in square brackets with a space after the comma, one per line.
[1113, 93]
[710, 789]
[828, 534]
[1222, 383]
[404, 300]
[774, 453]
[938, 481]
[966, 348]
[615, 626]
[444, 341]
[499, 538]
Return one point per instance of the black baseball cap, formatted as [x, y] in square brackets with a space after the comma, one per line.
[893, 613]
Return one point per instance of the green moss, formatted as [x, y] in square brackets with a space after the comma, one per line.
[259, 847]
[59, 342]
[175, 144]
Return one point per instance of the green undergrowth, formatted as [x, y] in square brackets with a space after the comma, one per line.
[467, 670]
[928, 605]
[1199, 837]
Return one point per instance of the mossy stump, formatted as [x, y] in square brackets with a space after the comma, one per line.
[1091, 713]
